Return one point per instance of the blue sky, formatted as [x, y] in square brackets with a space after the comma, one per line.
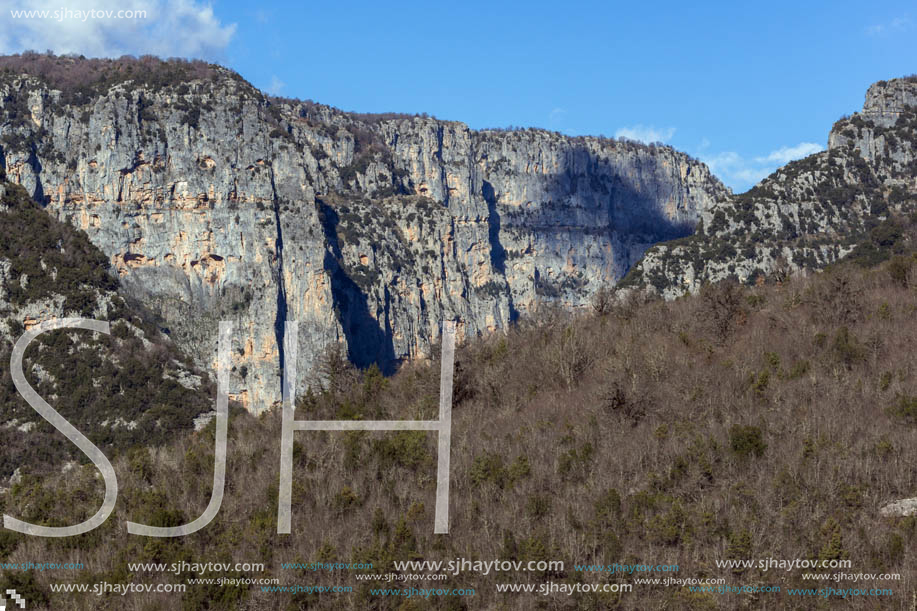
[743, 86]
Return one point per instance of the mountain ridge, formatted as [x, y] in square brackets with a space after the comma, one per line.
[809, 213]
[188, 178]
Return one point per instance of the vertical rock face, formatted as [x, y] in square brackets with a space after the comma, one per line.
[213, 202]
[886, 101]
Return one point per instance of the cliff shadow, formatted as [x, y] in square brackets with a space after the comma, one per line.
[631, 210]
[368, 342]
[497, 252]
[622, 206]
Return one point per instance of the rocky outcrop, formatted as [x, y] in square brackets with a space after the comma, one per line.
[130, 387]
[900, 508]
[887, 101]
[214, 202]
[809, 213]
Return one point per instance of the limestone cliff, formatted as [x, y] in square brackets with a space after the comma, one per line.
[214, 202]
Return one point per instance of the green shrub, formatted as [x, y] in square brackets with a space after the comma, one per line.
[488, 468]
[608, 508]
[885, 380]
[746, 441]
[759, 385]
[538, 505]
[670, 527]
[904, 409]
[8, 542]
[345, 499]
[773, 360]
[845, 346]
[519, 469]
[404, 448]
[833, 548]
[899, 268]
[740, 546]
[800, 368]
[574, 461]
[894, 547]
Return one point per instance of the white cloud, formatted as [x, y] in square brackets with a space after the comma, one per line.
[646, 133]
[898, 24]
[789, 153]
[170, 28]
[276, 86]
[557, 114]
[741, 173]
[735, 170]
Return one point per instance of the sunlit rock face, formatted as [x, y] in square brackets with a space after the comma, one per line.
[214, 202]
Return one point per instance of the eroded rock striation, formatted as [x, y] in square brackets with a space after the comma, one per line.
[215, 202]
